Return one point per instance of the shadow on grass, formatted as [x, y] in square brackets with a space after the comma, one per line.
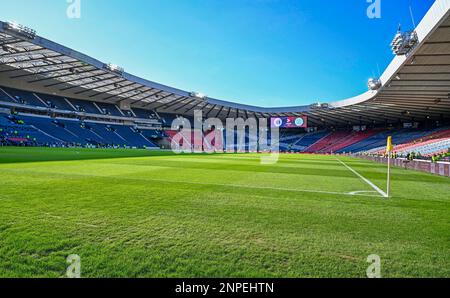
[42, 154]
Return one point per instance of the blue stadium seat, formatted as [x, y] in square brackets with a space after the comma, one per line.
[379, 140]
[87, 106]
[65, 131]
[309, 139]
[6, 97]
[24, 97]
[56, 102]
[110, 109]
[9, 129]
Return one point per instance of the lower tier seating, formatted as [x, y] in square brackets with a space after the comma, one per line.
[48, 131]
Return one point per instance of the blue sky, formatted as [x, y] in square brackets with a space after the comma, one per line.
[260, 52]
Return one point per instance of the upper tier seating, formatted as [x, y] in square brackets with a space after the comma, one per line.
[56, 102]
[154, 134]
[167, 119]
[70, 104]
[4, 96]
[110, 109]
[145, 114]
[24, 97]
[84, 106]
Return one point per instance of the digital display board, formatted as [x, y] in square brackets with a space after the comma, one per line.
[289, 122]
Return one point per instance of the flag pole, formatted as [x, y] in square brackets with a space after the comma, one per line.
[389, 149]
[389, 175]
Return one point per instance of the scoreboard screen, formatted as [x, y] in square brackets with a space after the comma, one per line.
[289, 122]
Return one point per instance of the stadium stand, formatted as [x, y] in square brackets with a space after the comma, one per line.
[72, 105]
[439, 135]
[24, 97]
[53, 128]
[64, 132]
[308, 140]
[171, 136]
[145, 114]
[56, 102]
[429, 149]
[15, 132]
[328, 141]
[133, 137]
[288, 139]
[187, 141]
[4, 96]
[43, 130]
[109, 109]
[353, 138]
[84, 106]
[378, 141]
[69, 130]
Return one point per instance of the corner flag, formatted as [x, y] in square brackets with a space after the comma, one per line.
[389, 147]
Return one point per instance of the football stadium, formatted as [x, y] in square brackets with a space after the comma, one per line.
[108, 174]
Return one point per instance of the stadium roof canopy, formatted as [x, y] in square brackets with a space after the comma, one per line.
[414, 87]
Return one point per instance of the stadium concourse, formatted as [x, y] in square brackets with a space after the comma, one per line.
[54, 96]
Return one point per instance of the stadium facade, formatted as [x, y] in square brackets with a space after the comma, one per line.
[68, 97]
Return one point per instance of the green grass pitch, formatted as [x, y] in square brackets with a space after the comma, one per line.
[134, 213]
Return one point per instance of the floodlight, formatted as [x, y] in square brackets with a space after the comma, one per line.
[198, 95]
[315, 105]
[374, 84]
[114, 68]
[404, 42]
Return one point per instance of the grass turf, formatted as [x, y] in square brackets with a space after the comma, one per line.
[136, 213]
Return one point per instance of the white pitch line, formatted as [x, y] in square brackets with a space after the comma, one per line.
[256, 187]
[267, 187]
[364, 179]
[239, 186]
[213, 184]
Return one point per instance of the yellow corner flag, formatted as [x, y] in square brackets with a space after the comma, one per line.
[389, 147]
